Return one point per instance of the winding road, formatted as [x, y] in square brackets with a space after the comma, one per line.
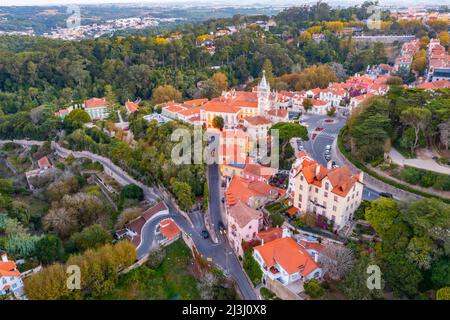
[220, 254]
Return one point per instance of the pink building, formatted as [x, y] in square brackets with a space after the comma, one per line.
[243, 225]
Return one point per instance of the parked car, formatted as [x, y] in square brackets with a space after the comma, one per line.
[221, 226]
[386, 195]
[205, 234]
[328, 147]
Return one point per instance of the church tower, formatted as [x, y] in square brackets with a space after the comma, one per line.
[263, 93]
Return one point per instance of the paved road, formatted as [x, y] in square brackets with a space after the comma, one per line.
[426, 164]
[220, 253]
[316, 147]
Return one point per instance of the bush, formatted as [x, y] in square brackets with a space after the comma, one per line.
[411, 175]
[132, 191]
[252, 268]
[443, 294]
[313, 289]
[267, 294]
[155, 257]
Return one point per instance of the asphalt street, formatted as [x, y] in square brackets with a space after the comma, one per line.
[316, 147]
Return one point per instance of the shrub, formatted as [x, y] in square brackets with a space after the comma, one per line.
[313, 289]
[252, 268]
[411, 175]
[132, 191]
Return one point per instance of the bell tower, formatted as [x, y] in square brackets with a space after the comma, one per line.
[263, 93]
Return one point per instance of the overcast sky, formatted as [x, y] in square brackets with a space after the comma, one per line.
[64, 2]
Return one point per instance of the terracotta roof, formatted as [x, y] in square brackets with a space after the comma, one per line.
[43, 163]
[195, 103]
[242, 190]
[95, 103]
[270, 235]
[258, 120]
[281, 113]
[8, 269]
[259, 170]
[243, 214]
[441, 84]
[131, 106]
[341, 178]
[169, 228]
[289, 255]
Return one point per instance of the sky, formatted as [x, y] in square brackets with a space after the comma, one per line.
[64, 2]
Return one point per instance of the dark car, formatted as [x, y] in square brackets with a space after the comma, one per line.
[386, 195]
[205, 234]
[221, 226]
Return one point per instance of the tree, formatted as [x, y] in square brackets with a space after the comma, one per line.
[218, 122]
[156, 256]
[61, 220]
[313, 289]
[307, 104]
[440, 272]
[336, 261]
[418, 119]
[183, 195]
[126, 216]
[165, 93]
[381, 215]
[49, 249]
[132, 191]
[78, 116]
[48, 284]
[6, 186]
[252, 268]
[355, 286]
[443, 294]
[221, 80]
[444, 38]
[268, 69]
[90, 237]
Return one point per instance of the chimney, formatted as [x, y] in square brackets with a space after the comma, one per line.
[317, 170]
[262, 242]
[316, 257]
[4, 256]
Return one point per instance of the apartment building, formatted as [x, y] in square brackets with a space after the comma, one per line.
[331, 192]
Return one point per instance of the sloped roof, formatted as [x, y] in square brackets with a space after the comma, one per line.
[243, 214]
[288, 254]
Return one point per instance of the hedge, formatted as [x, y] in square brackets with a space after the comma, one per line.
[396, 184]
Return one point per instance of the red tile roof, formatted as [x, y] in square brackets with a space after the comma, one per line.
[289, 255]
[131, 106]
[243, 214]
[8, 269]
[441, 84]
[95, 103]
[258, 120]
[270, 235]
[243, 190]
[44, 163]
[169, 228]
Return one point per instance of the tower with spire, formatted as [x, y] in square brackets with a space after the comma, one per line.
[263, 93]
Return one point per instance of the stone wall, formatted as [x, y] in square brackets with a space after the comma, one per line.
[281, 291]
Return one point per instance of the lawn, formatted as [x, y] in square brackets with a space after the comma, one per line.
[174, 279]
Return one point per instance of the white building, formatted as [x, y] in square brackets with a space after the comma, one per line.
[10, 280]
[333, 193]
[285, 261]
[97, 108]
